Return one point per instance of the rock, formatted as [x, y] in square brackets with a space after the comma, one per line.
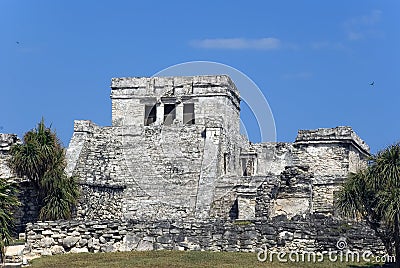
[165, 239]
[129, 242]
[83, 242]
[144, 246]
[55, 250]
[79, 250]
[90, 243]
[70, 241]
[75, 233]
[47, 232]
[285, 235]
[46, 242]
[46, 252]
[117, 246]
[99, 226]
[107, 248]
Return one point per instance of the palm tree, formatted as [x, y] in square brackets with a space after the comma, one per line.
[41, 158]
[373, 194]
[8, 202]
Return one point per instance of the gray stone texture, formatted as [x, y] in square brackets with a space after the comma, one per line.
[153, 181]
[27, 194]
[311, 233]
[140, 169]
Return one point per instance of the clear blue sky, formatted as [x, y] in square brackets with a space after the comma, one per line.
[313, 60]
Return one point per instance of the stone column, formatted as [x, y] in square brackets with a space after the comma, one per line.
[179, 112]
[159, 113]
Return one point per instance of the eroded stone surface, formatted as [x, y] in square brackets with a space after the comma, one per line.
[158, 168]
[152, 181]
[299, 233]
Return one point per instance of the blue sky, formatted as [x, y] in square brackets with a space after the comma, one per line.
[313, 60]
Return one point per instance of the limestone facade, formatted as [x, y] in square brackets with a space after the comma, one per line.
[174, 151]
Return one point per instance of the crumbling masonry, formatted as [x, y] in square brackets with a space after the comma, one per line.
[174, 172]
[174, 151]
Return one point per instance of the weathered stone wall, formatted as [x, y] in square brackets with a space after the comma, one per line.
[29, 209]
[206, 169]
[100, 202]
[168, 171]
[294, 196]
[311, 234]
[171, 158]
[330, 155]
[6, 141]
[27, 194]
[329, 151]
[161, 185]
[272, 157]
[214, 97]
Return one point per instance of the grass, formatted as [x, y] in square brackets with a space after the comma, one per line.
[177, 259]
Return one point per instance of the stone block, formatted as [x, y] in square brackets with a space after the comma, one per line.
[70, 241]
[55, 250]
[46, 242]
[79, 250]
[144, 246]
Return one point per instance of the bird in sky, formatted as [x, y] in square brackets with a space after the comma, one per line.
[373, 83]
[17, 42]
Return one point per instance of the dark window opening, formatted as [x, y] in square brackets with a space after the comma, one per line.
[234, 211]
[150, 114]
[226, 162]
[188, 114]
[244, 167]
[169, 114]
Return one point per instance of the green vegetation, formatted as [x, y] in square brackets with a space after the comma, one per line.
[41, 158]
[242, 222]
[373, 194]
[177, 259]
[8, 202]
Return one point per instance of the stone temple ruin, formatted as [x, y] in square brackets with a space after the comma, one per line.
[174, 172]
[174, 151]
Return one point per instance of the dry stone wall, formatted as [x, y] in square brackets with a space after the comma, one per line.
[308, 234]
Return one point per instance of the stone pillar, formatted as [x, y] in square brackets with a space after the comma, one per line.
[208, 173]
[179, 112]
[160, 113]
[246, 198]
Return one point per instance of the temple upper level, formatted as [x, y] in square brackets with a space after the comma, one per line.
[204, 100]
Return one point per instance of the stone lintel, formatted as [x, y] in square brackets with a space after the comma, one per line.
[206, 86]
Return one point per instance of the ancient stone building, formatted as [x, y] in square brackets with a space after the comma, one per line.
[174, 172]
[174, 151]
